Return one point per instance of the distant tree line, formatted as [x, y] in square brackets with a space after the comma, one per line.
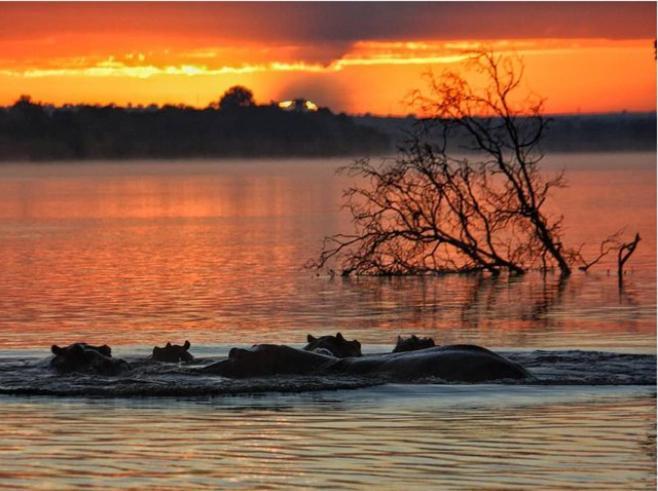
[234, 126]
[563, 133]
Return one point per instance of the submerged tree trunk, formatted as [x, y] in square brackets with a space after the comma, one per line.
[623, 255]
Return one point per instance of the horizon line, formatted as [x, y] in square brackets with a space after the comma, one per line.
[184, 106]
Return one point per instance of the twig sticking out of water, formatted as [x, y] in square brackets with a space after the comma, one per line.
[624, 254]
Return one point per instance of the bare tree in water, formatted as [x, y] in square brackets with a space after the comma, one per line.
[441, 209]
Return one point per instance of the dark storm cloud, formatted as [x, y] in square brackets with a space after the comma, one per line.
[467, 20]
[339, 22]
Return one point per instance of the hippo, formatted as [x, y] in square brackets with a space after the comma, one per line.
[412, 343]
[459, 363]
[173, 353]
[336, 345]
[83, 357]
[270, 359]
[456, 363]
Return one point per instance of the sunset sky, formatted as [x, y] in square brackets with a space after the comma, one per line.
[356, 57]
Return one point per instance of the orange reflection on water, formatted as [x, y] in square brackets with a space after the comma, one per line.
[470, 436]
[213, 252]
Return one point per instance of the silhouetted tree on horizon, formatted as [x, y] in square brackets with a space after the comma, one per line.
[236, 97]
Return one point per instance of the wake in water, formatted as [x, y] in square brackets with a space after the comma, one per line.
[32, 375]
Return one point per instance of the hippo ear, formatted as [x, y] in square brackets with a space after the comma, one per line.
[106, 350]
[399, 338]
[310, 339]
[186, 345]
[56, 349]
[339, 336]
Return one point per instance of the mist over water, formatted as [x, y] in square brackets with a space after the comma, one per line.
[141, 253]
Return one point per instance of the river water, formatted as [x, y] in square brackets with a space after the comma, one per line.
[135, 254]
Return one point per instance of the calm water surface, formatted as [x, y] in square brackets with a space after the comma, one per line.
[135, 254]
[392, 437]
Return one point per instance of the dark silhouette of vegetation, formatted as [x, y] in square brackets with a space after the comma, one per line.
[235, 126]
[433, 211]
[605, 248]
[623, 255]
[236, 97]
[37, 131]
[566, 133]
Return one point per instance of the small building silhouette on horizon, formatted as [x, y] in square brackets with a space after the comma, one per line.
[298, 105]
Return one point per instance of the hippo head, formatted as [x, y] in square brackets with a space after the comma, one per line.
[337, 345]
[69, 358]
[173, 353]
[412, 343]
[85, 357]
[76, 348]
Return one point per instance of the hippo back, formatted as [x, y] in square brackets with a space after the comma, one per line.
[269, 359]
[459, 363]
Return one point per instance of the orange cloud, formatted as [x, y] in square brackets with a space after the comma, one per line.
[96, 65]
